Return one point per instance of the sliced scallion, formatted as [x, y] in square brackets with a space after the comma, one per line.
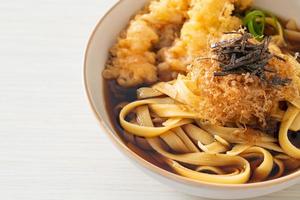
[255, 22]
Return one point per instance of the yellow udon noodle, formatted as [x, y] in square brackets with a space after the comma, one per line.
[217, 154]
[286, 123]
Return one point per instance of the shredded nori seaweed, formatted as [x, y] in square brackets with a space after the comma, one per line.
[241, 56]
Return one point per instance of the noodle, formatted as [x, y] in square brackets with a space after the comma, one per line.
[285, 143]
[217, 147]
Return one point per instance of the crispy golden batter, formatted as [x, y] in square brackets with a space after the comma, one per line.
[133, 61]
[208, 19]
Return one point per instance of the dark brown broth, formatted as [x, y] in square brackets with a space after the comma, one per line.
[115, 95]
[294, 137]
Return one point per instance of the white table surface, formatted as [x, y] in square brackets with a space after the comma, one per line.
[51, 147]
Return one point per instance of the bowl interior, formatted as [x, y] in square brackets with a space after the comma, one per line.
[107, 31]
[285, 9]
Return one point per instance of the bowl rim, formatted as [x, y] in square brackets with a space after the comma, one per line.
[153, 168]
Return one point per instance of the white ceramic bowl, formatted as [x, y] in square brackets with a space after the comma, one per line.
[103, 37]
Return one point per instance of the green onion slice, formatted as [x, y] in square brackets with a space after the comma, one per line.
[255, 22]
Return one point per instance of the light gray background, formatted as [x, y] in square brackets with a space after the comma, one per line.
[50, 145]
